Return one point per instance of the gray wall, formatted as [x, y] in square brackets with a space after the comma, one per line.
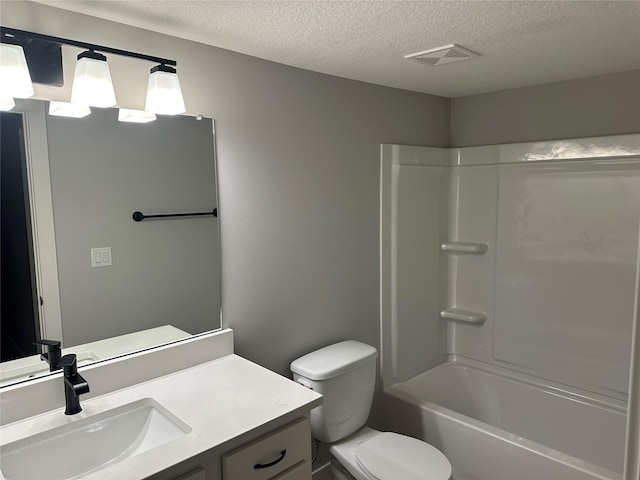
[298, 159]
[298, 166]
[586, 107]
[164, 272]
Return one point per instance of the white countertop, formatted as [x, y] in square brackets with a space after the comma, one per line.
[220, 400]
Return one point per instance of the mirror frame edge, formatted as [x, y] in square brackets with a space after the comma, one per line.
[42, 221]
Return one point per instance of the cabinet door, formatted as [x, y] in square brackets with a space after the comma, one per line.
[301, 471]
[197, 474]
[270, 455]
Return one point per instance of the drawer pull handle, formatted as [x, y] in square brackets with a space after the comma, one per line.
[271, 464]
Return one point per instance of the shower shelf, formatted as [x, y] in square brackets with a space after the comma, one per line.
[466, 316]
[464, 248]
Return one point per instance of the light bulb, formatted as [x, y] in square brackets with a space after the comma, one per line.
[164, 95]
[15, 80]
[135, 116]
[65, 109]
[92, 81]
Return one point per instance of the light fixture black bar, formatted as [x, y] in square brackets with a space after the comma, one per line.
[8, 32]
[139, 216]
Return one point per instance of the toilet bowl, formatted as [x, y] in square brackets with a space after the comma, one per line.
[344, 373]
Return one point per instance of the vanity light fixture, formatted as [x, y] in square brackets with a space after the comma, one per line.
[92, 84]
[164, 95]
[135, 116]
[15, 81]
[66, 109]
[92, 81]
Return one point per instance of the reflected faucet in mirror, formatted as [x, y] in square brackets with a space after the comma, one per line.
[53, 353]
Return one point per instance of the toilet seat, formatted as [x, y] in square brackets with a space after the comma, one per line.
[390, 456]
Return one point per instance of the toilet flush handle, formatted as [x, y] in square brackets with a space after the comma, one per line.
[305, 383]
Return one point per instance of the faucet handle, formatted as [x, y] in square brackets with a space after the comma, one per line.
[52, 344]
[70, 364]
[53, 353]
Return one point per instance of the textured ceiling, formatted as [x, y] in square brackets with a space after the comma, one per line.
[521, 43]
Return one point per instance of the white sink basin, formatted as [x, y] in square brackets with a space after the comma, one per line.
[91, 443]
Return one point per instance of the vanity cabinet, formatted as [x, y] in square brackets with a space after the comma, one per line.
[282, 453]
[197, 474]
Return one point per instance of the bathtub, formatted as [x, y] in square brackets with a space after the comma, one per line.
[496, 424]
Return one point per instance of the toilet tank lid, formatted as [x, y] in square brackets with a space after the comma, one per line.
[334, 360]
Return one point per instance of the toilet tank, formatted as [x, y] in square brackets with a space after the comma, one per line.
[345, 375]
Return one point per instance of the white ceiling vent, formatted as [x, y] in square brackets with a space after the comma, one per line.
[442, 55]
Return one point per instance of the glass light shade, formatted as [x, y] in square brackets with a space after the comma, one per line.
[164, 95]
[15, 80]
[92, 81]
[135, 116]
[6, 103]
[65, 109]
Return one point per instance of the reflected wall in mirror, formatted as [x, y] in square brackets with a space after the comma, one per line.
[163, 283]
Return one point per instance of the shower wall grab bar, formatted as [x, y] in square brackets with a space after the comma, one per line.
[464, 248]
[139, 216]
[466, 316]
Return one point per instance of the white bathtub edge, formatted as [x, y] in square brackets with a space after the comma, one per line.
[502, 435]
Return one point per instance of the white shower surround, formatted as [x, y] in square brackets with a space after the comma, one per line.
[546, 233]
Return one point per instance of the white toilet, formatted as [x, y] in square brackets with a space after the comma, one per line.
[345, 374]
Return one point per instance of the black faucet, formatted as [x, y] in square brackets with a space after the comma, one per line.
[52, 355]
[74, 384]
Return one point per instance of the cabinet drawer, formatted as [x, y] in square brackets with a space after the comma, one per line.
[271, 454]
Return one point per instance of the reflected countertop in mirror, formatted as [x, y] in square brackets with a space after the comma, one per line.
[164, 273]
[32, 366]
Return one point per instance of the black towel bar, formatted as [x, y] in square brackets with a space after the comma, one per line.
[139, 216]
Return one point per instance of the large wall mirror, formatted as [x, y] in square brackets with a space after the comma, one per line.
[76, 268]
